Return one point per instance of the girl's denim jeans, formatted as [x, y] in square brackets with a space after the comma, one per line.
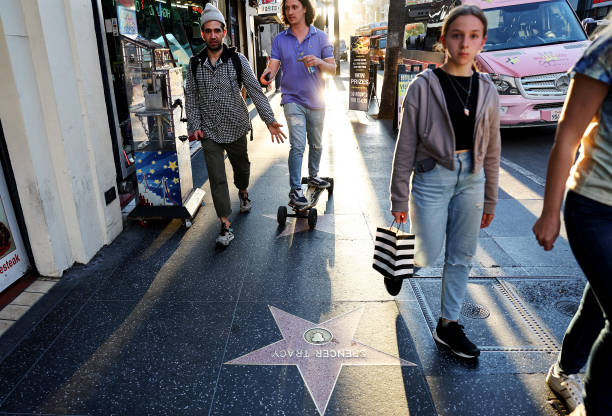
[447, 205]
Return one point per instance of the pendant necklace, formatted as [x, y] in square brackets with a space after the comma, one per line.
[465, 103]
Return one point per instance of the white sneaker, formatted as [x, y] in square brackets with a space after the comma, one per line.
[226, 235]
[568, 388]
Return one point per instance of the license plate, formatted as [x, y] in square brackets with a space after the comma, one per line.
[554, 115]
[550, 115]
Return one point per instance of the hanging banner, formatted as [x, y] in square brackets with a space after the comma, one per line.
[13, 258]
[269, 7]
[404, 77]
[126, 18]
[360, 70]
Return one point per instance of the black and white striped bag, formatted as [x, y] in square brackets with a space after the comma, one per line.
[394, 253]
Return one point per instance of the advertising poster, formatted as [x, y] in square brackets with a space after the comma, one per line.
[269, 7]
[360, 70]
[126, 16]
[13, 259]
[404, 77]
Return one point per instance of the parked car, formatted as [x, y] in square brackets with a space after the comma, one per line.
[531, 44]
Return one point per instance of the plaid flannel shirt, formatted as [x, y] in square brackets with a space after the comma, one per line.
[215, 105]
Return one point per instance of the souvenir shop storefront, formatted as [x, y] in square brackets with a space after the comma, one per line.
[127, 29]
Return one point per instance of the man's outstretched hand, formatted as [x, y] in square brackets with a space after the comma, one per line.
[276, 132]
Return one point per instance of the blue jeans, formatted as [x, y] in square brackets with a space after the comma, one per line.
[589, 231]
[303, 123]
[448, 205]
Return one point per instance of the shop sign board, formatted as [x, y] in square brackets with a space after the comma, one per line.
[13, 258]
[126, 18]
[601, 3]
[269, 6]
[360, 71]
[404, 77]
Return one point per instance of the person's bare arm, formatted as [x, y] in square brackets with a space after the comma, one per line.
[584, 99]
[272, 69]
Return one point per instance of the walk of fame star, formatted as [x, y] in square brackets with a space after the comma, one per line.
[319, 351]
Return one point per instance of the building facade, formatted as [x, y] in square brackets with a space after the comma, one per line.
[62, 117]
[56, 132]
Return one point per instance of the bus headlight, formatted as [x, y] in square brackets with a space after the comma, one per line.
[505, 84]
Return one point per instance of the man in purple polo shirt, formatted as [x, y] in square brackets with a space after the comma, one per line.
[305, 53]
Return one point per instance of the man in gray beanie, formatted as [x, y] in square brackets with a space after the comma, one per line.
[211, 13]
[217, 115]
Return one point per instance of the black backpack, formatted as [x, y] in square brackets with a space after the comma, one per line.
[196, 60]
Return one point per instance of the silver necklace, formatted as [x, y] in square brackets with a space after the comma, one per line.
[465, 103]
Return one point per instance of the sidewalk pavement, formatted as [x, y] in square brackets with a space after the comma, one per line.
[290, 321]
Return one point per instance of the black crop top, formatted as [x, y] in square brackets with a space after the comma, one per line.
[463, 125]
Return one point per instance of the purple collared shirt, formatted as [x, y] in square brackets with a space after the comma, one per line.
[298, 84]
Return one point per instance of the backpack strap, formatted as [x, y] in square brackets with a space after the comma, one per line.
[237, 66]
[237, 63]
[194, 62]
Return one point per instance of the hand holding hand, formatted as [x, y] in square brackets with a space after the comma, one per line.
[276, 132]
[546, 230]
[400, 216]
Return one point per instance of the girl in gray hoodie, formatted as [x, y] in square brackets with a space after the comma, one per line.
[446, 166]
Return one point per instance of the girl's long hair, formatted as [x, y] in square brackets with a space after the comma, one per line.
[463, 10]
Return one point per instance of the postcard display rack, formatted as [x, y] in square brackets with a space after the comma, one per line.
[159, 134]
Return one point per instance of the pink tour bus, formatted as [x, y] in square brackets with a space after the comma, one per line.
[531, 44]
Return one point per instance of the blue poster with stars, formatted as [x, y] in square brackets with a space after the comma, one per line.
[158, 178]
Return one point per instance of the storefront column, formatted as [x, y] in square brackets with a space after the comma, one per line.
[55, 123]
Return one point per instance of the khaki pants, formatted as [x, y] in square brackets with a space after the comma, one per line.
[215, 163]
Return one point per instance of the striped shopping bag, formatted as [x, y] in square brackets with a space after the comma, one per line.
[393, 253]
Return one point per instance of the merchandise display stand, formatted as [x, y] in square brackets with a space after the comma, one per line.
[160, 145]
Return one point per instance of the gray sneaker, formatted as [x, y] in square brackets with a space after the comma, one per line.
[297, 198]
[568, 388]
[226, 235]
[245, 202]
[318, 182]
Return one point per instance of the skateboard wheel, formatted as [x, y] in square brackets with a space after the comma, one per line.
[281, 215]
[330, 190]
[312, 218]
[188, 224]
[304, 180]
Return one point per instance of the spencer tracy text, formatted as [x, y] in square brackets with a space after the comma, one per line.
[9, 263]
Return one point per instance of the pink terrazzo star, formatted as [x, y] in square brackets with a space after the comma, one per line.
[319, 351]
